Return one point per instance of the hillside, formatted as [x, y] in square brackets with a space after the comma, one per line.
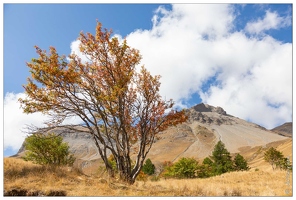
[205, 127]
[285, 129]
[196, 138]
[27, 179]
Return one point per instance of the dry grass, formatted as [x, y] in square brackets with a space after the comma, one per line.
[19, 174]
[252, 183]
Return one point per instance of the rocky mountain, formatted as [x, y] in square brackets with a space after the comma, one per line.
[196, 138]
[205, 127]
[285, 129]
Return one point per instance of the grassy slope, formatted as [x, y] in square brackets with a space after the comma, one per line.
[19, 174]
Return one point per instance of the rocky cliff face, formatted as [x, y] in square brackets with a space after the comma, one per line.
[207, 114]
[208, 108]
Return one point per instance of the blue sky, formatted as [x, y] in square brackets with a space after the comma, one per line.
[237, 56]
[58, 25]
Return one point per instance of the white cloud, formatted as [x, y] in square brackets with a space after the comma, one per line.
[75, 46]
[191, 44]
[271, 20]
[15, 121]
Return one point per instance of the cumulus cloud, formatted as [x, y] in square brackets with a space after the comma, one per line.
[197, 50]
[16, 122]
[271, 20]
[193, 46]
[75, 46]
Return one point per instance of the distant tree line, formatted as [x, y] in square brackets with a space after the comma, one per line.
[49, 149]
[220, 162]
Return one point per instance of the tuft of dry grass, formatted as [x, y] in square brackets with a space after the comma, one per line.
[25, 176]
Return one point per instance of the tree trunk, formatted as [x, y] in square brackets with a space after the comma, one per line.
[111, 172]
[125, 177]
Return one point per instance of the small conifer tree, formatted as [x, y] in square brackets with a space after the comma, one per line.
[148, 167]
[240, 164]
[222, 159]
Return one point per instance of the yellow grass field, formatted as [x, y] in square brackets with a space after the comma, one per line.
[26, 178]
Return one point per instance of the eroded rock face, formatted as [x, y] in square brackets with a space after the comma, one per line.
[207, 114]
[201, 108]
[219, 110]
[208, 108]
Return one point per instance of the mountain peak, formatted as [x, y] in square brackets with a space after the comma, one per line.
[208, 108]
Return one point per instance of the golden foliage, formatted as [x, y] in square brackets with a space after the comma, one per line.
[107, 93]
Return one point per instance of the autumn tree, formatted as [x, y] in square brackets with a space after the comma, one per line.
[118, 104]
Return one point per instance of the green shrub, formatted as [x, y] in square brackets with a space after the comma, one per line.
[220, 162]
[206, 169]
[277, 159]
[284, 164]
[207, 161]
[47, 149]
[184, 168]
[112, 162]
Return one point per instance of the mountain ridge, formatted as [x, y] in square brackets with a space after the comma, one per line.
[285, 129]
[196, 138]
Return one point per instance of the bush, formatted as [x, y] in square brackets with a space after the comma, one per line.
[207, 161]
[112, 162]
[284, 164]
[47, 149]
[148, 168]
[277, 159]
[220, 162]
[206, 169]
[184, 168]
[142, 176]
